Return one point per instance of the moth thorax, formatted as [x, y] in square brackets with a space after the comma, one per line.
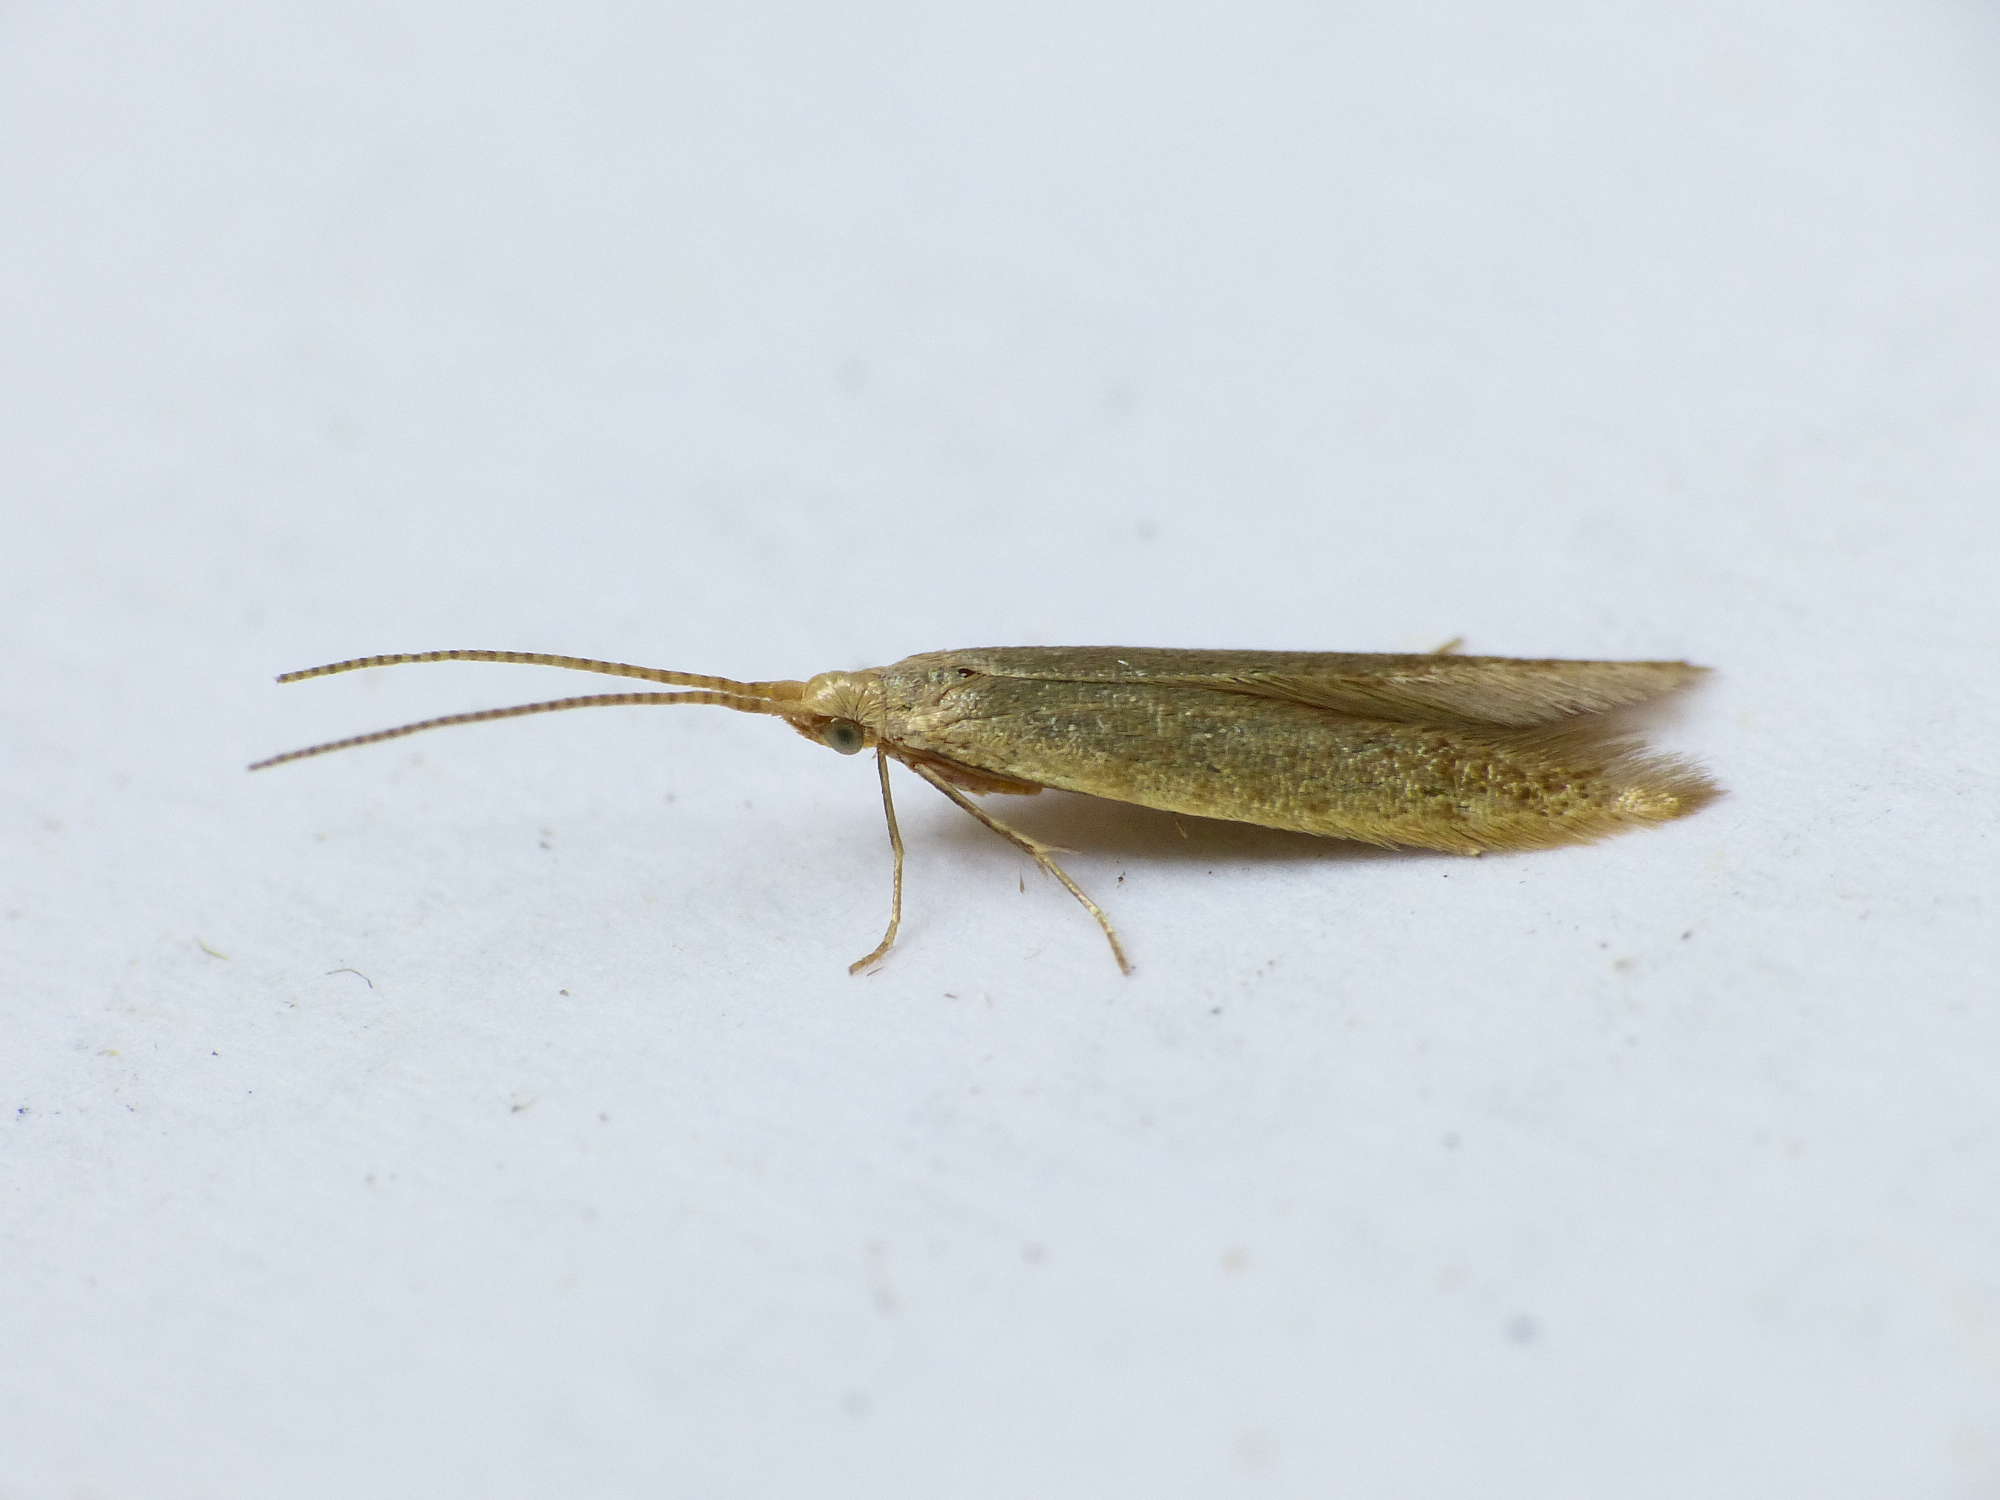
[845, 695]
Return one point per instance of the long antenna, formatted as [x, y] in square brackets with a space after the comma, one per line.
[724, 692]
[569, 663]
[519, 710]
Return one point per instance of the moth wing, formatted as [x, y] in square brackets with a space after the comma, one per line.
[1284, 764]
[1500, 690]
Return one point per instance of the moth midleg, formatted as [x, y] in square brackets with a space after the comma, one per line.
[1037, 851]
[1450, 648]
[896, 897]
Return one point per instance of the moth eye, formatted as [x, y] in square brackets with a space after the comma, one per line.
[843, 735]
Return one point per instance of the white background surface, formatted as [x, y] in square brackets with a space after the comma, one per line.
[765, 340]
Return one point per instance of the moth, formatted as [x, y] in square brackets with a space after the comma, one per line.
[1462, 754]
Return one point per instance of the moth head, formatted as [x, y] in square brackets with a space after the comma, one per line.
[841, 710]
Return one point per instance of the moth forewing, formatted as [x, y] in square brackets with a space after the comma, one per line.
[1181, 732]
[1456, 753]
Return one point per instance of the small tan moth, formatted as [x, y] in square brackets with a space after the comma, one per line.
[1457, 753]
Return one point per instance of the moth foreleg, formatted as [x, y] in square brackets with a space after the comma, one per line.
[896, 897]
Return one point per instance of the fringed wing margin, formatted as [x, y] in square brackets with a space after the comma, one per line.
[1473, 690]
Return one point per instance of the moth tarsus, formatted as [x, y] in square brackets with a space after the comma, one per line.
[1462, 754]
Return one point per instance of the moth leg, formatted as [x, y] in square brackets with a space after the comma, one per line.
[1450, 648]
[896, 899]
[1037, 851]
